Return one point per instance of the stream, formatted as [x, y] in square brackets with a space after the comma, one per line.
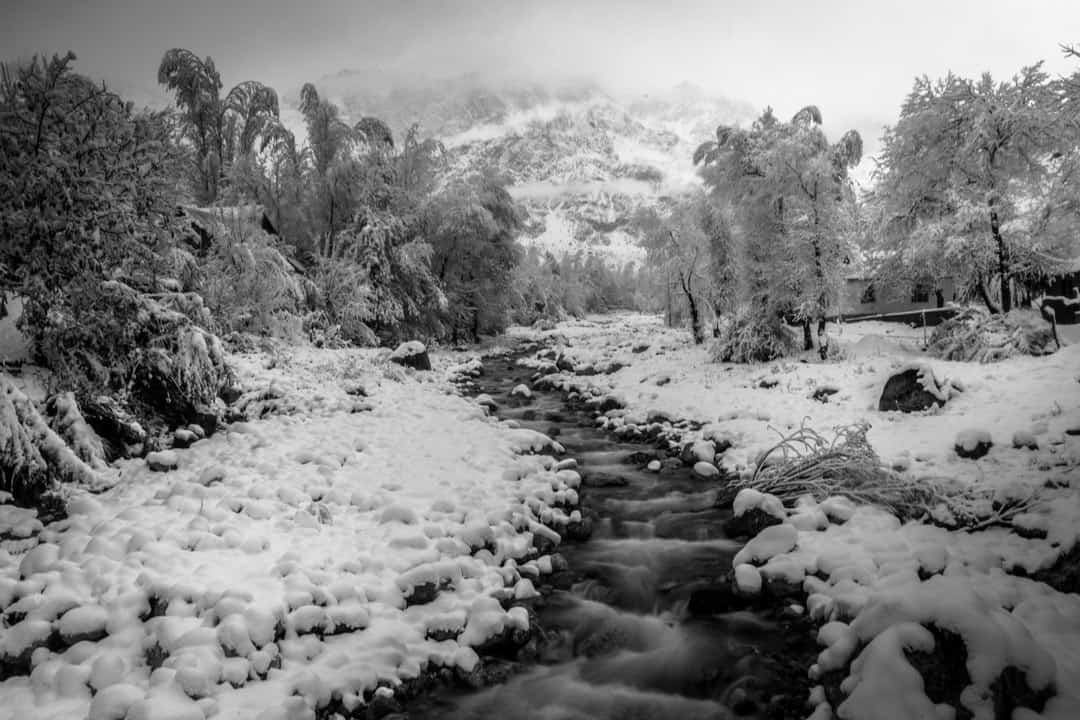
[643, 624]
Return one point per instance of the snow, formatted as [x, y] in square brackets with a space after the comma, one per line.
[163, 460]
[408, 349]
[747, 579]
[82, 620]
[875, 583]
[751, 499]
[969, 439]
[276, 558]
[768, 543]
[706, 469]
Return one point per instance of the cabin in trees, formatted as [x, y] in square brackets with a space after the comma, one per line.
[1061, 292]
[861, 297]
[236, 221]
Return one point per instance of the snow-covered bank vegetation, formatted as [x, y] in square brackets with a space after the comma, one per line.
[363, 532]
[982, 547]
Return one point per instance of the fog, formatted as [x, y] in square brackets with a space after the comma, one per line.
[855, 60]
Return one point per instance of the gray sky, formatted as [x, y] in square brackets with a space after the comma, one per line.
[856, 60]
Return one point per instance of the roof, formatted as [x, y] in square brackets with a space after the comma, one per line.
[214, 220]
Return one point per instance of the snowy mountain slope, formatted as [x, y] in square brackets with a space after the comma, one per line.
[581, 160]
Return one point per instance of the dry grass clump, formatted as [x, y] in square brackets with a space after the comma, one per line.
[807, 463]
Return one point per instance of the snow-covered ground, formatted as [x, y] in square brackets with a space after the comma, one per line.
[878, 584]
[274, 569]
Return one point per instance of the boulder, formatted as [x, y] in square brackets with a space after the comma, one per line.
[610, 402]
[206, 417]
[823, 393]
[162, 461]
[972, 444]
[1024, 439]
[911, 390]
[521, 395]
[356, 389]
[230, 393]
[749, 523]
[120, 432]
[706, 469]
[183, 438]
[700, 451]
[411, 354]
[657, 415]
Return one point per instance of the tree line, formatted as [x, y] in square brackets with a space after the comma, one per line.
[976, 182]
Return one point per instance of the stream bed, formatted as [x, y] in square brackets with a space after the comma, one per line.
[642, 624]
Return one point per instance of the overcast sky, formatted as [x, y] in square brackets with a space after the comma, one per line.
[856, 60]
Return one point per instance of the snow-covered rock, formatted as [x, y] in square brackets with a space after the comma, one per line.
[747, 579]
[163, 460]
[412, 354]
[706, 469]
[972, 443]
[771, 541]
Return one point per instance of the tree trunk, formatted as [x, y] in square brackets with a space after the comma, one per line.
[668, 319]
[695, 315]
[1003, 260]
[1050, 316]
[807, 337]
[984, 294]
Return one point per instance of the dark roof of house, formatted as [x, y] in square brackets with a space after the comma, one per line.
[218, 219]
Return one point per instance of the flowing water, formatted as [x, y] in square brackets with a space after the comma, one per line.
[643, 624]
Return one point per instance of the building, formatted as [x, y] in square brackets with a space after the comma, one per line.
[860, 297]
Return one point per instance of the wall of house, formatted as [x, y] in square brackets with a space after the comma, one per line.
[854, 300]
[13, 344]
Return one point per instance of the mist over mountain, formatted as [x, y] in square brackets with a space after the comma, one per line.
[580, 158]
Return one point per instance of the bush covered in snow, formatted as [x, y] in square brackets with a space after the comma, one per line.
[976, 335]
[114, 340]
[33, 458]
[751, 337]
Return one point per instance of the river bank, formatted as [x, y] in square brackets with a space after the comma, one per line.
[352, 537]
[369, 542]
[886, 592]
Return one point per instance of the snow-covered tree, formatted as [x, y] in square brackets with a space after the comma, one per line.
[784, 200]
[679, 251]
[219, 130]
[976, 181]
[472, 227]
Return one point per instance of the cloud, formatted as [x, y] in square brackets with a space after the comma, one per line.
[856, 60]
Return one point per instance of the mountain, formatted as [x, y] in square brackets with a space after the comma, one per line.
[580, 159]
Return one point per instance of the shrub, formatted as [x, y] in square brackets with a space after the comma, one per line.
[247, 283]
[111, 339]
[752, 337]
[975, 335]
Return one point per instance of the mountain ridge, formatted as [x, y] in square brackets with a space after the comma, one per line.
[580, 159]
